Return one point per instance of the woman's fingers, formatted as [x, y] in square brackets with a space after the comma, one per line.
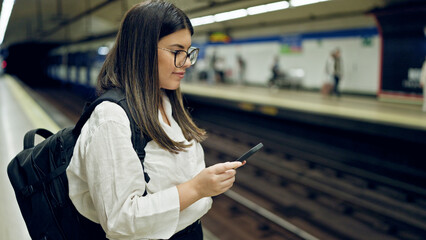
[227, 183]
[223, 167]
[242, 164]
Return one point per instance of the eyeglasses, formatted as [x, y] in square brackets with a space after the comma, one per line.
[182, 55]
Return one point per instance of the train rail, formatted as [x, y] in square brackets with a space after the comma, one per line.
[235, 216]
[358, 197]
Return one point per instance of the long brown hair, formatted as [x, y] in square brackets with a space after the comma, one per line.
[132, 65]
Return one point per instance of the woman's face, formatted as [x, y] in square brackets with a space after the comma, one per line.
[170, 76]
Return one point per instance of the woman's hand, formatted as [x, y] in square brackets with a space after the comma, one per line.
[211, 181]
[216, 179]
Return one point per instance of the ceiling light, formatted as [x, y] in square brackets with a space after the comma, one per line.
[103, 50]
[277, 6]
[202, 20]
[257, 10]
[298, 3]
[268, 8]
[6, 10]
[220, 17]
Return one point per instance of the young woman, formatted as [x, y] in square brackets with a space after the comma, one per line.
[106, 179]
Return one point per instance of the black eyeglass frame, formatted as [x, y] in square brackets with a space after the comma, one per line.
[188, 53]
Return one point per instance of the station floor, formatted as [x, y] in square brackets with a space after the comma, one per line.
[19, 113]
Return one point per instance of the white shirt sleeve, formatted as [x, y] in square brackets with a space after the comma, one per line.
[111, 175]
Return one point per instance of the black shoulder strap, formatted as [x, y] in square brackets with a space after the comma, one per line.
[139, 140]
[113, 95]
[30, 136]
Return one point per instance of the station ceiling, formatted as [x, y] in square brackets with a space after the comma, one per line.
[80, 20]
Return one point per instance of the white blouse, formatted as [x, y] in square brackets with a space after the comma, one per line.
[106, 181]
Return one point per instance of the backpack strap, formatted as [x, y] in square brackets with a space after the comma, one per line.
[139, 140]
[112, 95]
[30, 136]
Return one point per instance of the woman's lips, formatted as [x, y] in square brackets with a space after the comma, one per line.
[180, 74]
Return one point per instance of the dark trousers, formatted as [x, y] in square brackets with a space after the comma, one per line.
[336, 85]
[192, 232]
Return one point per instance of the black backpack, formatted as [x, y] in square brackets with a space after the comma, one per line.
[40, 183]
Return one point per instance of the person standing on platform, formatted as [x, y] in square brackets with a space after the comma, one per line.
[241, 69]
[107, 184]
[334, 69]
[423, 84]
[276, 72]
[219, 68]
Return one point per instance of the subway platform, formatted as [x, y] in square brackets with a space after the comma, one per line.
[282, 102]
[19, 112]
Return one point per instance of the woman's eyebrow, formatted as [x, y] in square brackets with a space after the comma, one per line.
[177, 45]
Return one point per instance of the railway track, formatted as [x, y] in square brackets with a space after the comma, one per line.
[313, 200]
[234, 216]
[344, 202]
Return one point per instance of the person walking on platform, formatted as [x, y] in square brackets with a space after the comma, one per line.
[334, 69]
[165, 197]
[423, 84]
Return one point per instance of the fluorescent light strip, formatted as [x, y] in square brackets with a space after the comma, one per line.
[298, 3]
[202, 20]
[220, 17]
[277, 6]
[268, 8]
[257, 10]
[6, 10]
[225, 16]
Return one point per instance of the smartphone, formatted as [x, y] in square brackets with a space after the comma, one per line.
[252, 151]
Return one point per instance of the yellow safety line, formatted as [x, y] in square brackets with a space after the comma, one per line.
[34, 112]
